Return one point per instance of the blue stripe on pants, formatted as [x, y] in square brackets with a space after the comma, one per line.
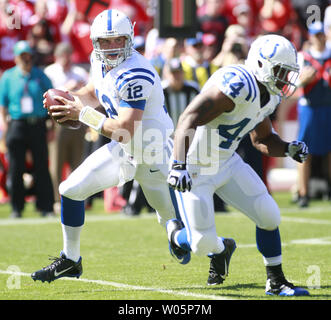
[174, 203]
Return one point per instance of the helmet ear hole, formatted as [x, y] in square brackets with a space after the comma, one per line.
[260, 63]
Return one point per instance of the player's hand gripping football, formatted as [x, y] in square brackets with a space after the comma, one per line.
[179, 178]
[297, 150]
[68, 110]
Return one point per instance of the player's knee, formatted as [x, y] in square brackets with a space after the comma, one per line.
[203, 244]
[268, 213]
[70, 191]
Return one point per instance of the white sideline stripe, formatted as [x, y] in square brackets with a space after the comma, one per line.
[50, 220]
[131, 287]
[312, 241]
[309, 209]
[306, 220]
[318, 241]
[117, 217]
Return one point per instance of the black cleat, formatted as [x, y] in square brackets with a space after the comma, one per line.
[61, 267]
[181, 255]
[219, 263]
[281, 287]
[303, 202]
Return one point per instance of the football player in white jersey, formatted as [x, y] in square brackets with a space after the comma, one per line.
[135, 118]
[236, 101]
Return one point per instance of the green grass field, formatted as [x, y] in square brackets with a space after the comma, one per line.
[128, 258]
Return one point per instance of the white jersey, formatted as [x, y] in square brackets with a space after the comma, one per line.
[216, 141]
[135, 81]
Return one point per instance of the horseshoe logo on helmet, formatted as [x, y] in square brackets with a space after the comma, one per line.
[266, 56]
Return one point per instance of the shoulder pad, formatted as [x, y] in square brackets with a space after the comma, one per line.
[135, 84]
[238, 84]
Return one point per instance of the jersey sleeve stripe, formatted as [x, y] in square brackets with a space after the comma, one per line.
[134, 78]
[165, 109]
[170, 143]
[252, 81]
[134, 70]
[137, 104]
[248, 82]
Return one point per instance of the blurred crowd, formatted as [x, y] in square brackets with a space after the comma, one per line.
[58, 33]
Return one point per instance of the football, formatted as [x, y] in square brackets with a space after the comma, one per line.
[51, 101]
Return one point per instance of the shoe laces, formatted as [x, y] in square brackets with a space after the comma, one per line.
[56, 261]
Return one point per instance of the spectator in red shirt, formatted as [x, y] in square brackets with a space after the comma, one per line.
[274, 15]
[76, 30]
[56, 10]
[245, 17]
[279, 16]
[212, 18]
[42, 42]
[44, 31]
[136, 12]
[45, 11]
[253, 7]
[12, 30]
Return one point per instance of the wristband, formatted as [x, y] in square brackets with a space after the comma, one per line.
[178, 165]
[92, 118]
[178, 162]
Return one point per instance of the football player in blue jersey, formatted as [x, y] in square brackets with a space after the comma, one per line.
[236, 101]
[129, 90]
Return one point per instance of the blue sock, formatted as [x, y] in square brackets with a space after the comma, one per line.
[182, 240]
[72, 212]
[268, 242]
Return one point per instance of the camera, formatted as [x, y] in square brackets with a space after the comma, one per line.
[237, 48]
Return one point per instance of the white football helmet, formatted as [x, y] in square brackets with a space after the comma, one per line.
[112, 23]
[273, 60]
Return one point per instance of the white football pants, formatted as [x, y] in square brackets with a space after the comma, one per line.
[239, 186]
[109, 167]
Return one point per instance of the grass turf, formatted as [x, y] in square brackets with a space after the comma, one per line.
[128, 258]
